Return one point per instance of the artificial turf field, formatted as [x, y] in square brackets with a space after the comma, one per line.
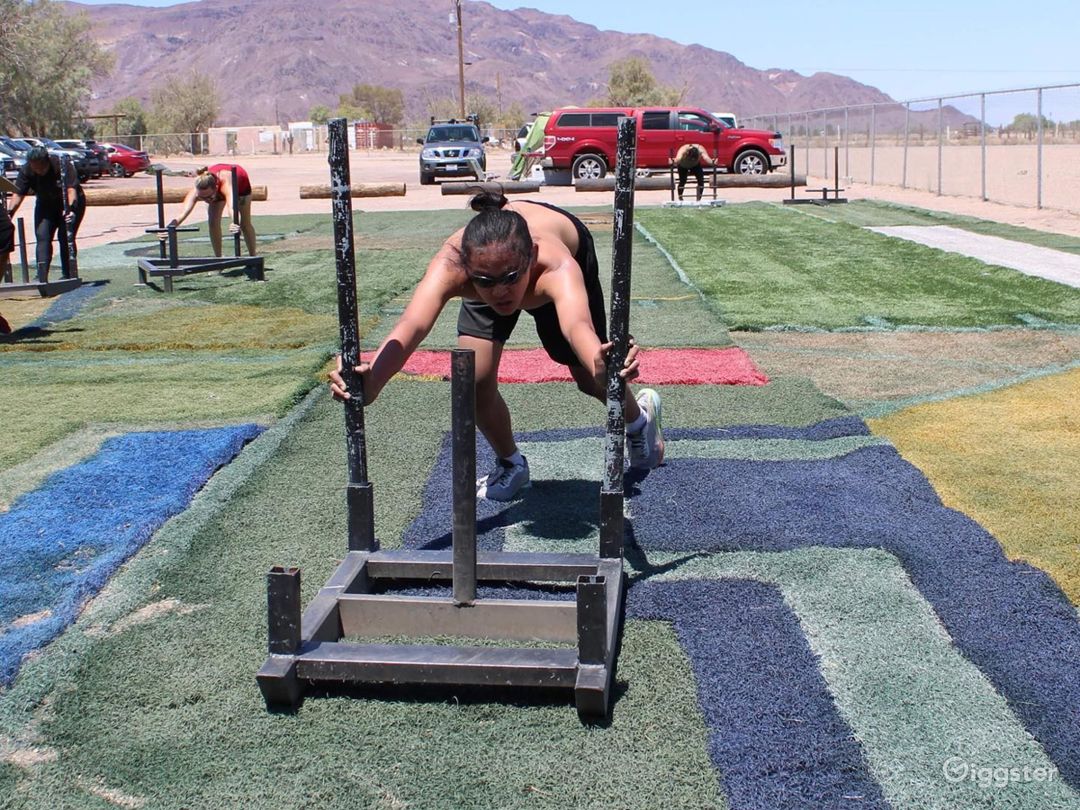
[853, 586]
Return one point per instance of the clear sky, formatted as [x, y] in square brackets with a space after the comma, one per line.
[910, 49]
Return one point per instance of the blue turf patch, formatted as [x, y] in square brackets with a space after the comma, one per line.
[1010, 619]
[66, 306]
[775, 735]
[62, 542]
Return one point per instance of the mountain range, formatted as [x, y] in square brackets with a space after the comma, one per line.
[273, 60]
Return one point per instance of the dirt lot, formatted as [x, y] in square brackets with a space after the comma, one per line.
[283, 175]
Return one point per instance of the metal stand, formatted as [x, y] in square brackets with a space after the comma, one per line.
[824, 191]
[170, 263]
[358, 601]
[45, 289]
[713, 171]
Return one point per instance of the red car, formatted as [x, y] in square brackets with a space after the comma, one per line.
[583, 140]
[125, 161]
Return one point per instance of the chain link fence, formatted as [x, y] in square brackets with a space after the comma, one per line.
[1019, 147]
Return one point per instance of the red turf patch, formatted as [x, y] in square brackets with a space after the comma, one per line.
[730, 366]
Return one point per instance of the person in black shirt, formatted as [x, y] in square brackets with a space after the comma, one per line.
[689, 160]
[7, 244]
[7, 239]
[51, 181]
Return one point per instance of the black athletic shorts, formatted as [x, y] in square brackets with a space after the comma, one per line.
[477, 319]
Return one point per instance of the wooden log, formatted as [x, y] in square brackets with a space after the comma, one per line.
[663, 183]
[148, 196]
[355, 190]
[507, 187]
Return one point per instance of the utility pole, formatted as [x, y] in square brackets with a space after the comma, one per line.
[460, 59]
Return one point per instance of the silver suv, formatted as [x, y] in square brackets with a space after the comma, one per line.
[452, 149]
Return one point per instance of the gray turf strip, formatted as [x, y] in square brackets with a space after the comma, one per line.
[1054, 265]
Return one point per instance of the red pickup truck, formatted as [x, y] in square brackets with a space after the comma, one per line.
[582, 139]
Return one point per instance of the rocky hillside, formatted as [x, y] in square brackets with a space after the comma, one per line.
[275, 59]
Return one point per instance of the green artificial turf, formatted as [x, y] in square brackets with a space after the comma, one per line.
[188, 728]
[874, 213]
[184, 328]
[47, 396]
[763, 266]
[392, 251]
[150, 699]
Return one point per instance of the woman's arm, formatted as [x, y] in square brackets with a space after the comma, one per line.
[22, 187]
[189, 206]
[70, 179]
[225, 184]
[565, 286]
[16, 202]
[441, 282]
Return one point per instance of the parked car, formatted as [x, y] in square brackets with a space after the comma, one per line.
[452, 149]
[7, 166]
[727, 119]
[522, 134]
[100, 151]
[97, 163]
[125, 161]
[583, 140]
[16, 157]
[14, 147]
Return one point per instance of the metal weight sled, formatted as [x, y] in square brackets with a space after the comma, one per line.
[69, 264]
[358, 601]
[824, 191]
[169, 262]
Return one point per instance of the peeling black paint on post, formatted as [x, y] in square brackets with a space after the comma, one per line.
[160, 211]
[463, 429]
[24, 263]
[235, 210]
[72, 270]
[611, 492]
[359, 493]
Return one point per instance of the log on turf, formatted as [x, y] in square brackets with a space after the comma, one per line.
[508, 187]
[148, 196]
[772, 180]
[355, 190]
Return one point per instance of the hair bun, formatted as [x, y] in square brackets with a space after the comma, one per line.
[488, 201]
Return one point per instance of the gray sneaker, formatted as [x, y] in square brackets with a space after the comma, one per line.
[647, 445]
[504, 481]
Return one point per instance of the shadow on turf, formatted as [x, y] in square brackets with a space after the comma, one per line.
[456, 695]
[35, 335]
[178, 286]
[639, 560]
[550, 511]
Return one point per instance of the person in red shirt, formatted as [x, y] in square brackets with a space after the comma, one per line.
[213, 186]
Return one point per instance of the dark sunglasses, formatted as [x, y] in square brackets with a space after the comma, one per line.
[507, 279]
